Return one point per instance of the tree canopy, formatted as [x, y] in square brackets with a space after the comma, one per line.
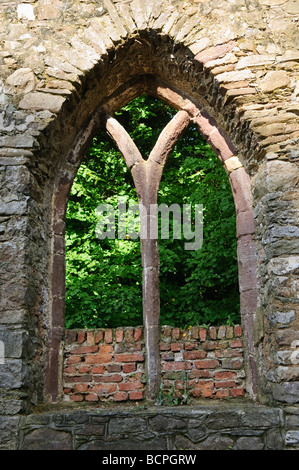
[103, 277]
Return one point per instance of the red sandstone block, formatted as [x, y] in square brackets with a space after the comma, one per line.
[127, 368]
[137, 395]
[77, 397]
[226, 384]
[90, 337]
[138, 334]
[202, 334]
[224, 375]
[238, 331]
[108, 336]
[120, 396]
[99, 337]
[84, 350]
[98, 369]
[235, 343]
[81, 337]
[191, 355]
[105, 389]
[207, 364]
[124, 357]
[98, 359]
[91, 397]
[119, 336]
[237, 392]
[104, 349]
[129, 386]
[222, 393]
[176, 346]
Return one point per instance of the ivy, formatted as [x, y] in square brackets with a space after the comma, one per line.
[104, 277]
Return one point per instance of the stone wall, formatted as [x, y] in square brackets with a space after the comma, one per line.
[64, 62]
[108, 365]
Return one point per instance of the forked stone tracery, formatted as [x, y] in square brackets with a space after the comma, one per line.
[147, 176]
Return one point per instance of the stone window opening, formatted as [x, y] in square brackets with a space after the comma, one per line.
[150, 171]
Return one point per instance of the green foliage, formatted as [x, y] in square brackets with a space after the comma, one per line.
[103, 280]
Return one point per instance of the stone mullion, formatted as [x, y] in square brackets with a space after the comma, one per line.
[147, 175]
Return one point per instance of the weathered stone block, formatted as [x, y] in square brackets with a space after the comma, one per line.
[47, 439]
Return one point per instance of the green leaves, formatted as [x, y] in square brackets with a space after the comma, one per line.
[103, 277]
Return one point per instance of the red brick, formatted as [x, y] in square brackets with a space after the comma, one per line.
[119, 336]
[120, 396]
[84, 350]
[225, 375]
[70, 370]
[235, 343]
[175, 333]
[127, 368]
[77, 397]
[136, 395]
[209, 345]
[125, 357]
[81, 337]
[176, 346]
[81, 378]
[212, 332]
[73, 360]
[98, 337]
[91, 397]
[138, 334]
[108, 336]
[199, 374]
[90, 337]
[98, 369]
[105, 388]
[237, 392]
[222, 394]
[129, 386]
[98, 359]
[108, 378]
[110, 368]
[81, 388]
[84, 369]
[207, 364]
[195, 332]
[67, 390]
[165, 346]
[202, 334]
[191, 355]
[104, 348]
[226, 384]
[179, 365]
[129, 335]
[189, 346]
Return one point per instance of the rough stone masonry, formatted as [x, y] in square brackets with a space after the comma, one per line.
[64, 64]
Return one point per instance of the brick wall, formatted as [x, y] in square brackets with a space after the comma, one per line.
[108, 364]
